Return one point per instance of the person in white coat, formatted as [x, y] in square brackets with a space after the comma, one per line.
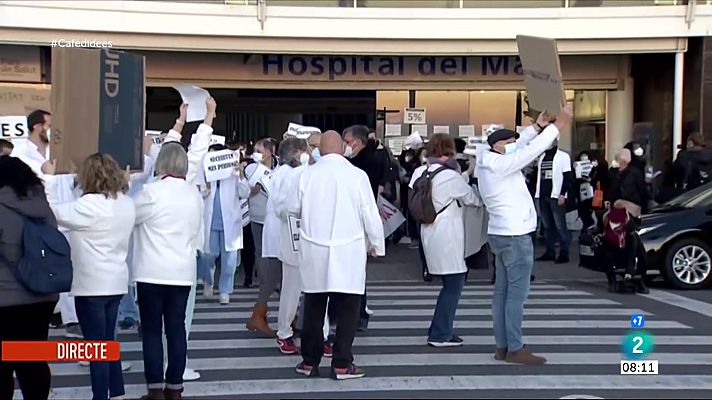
[100, 223]
[34, 151]
[512, 219]
[444, 239]
[340, 226]
[223, 231]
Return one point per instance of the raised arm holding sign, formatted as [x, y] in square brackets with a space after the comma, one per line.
[542, 73]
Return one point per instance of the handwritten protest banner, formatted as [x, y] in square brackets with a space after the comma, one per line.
[219, 165]
[390, 215]
[542, 73]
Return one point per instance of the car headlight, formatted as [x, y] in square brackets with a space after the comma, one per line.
[648, 229]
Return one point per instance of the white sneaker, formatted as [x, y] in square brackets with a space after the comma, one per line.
[190, 374]
[224, 299]
[369, 311]
[207, 291]
[405, 240]
[125, 366]
[200, 281]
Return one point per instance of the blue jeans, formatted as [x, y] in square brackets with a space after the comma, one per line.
[163, 305]
[228, 263]
[514, 259]
[553, 218]
[127, 306]
[97, 318]
[441, 328]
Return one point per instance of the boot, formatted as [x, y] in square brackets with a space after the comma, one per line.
[258, 321]
[500, 354]
[642, 288]
[154, 394]
[173, 394]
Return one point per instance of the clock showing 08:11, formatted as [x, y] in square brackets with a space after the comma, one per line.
[636, 346]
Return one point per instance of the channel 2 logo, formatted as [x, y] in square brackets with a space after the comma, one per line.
[637, 343]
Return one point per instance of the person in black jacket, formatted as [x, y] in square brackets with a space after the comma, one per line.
[630, 184]
[362, 153]
[693, 165]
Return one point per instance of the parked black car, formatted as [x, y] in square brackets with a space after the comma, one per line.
[677, 237]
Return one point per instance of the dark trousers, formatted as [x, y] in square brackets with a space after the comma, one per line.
[626, 257]
[553, 218]
[363, 315]
[247, 254]
[346, 310]
[441, 327]
[97, 318]
[163, 305]
[585, 212]
[25, 322]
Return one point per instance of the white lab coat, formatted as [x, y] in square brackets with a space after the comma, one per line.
[444, 240]
[340, 223]
[272, 231]
[285, 193]
[232, 191]
[198, 147]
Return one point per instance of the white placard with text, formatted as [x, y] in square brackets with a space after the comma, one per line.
[219, 165]
[414, 116]
[13, 127]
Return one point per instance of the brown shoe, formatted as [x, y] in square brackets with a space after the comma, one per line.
[500, 354]
[154, 394]
[173, 394]
[258, 321]
[524, 357]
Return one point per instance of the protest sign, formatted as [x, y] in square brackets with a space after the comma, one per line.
[396, 145]
[219, 165]
[393, 130]
[196, 98]
[217, 139]
[98, 106]
[13, 127]
[421, 129]
[294, 226]
[391, 217]
[542, 73]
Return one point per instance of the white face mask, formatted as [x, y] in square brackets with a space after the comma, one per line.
[408, 158]
[49, 134]
[584, 158]
[304, 159]
[423, 159]
[614, 164]
[316, 155]
[510, 148]
[348, 152]
[257, 157]
[638, 152]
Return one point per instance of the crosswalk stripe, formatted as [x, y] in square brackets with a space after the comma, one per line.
[394, 360]
[420, 383]
[431, 302]
[465, 294]
[426, 312]
[404, 341]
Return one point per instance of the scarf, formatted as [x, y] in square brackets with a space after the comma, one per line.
[616, 227]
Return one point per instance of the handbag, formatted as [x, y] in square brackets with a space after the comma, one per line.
[597, 197]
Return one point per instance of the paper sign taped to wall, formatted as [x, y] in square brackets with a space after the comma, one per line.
[421, 129]
[396, 145]
[219, 165]
[441, 129]
[542, 73]
[13, 127]
[466, 131]
[196, 98]
[393, 130]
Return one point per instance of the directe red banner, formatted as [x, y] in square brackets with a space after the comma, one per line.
[61, 351]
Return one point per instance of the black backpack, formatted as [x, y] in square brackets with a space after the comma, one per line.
[46, 264]
[420, 200]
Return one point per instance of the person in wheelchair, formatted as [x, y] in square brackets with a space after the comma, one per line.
[622, 249]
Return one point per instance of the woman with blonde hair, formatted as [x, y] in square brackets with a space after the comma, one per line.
[99, 224]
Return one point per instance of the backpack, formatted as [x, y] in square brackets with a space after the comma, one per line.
[420, 200]
[46, 264]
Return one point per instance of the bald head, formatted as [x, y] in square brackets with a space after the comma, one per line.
[331, 143]
[314, 140]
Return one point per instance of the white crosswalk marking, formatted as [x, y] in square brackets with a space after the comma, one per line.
[579, 333]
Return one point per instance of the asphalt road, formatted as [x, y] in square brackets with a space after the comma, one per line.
[570, 318]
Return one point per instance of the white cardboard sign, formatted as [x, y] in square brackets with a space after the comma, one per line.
[414, 116]
[219, 165]
[196, 98]
[217, 139]
[13, 127]
[294, 226]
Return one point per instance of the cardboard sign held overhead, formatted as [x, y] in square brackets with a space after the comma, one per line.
[98, 105]
[13, 127]
[542, 73]
[219, 165]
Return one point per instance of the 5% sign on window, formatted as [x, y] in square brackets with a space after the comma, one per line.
[414, 116]
[636, 346]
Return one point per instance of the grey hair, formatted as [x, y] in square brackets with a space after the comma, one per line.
[172, 160]
[624, 155]
[288, 151]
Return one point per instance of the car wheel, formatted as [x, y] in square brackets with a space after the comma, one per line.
[688, 264]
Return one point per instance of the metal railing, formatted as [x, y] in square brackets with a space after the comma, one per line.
[453, 3]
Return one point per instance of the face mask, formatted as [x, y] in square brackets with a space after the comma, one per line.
[408, 158]
[49, 134]
[257, 157]
[638, 152]
[614, 164]
[316, 155]
[510, 148]
[423, 159]
[348, 152]
[304, 159]
[584, 158]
